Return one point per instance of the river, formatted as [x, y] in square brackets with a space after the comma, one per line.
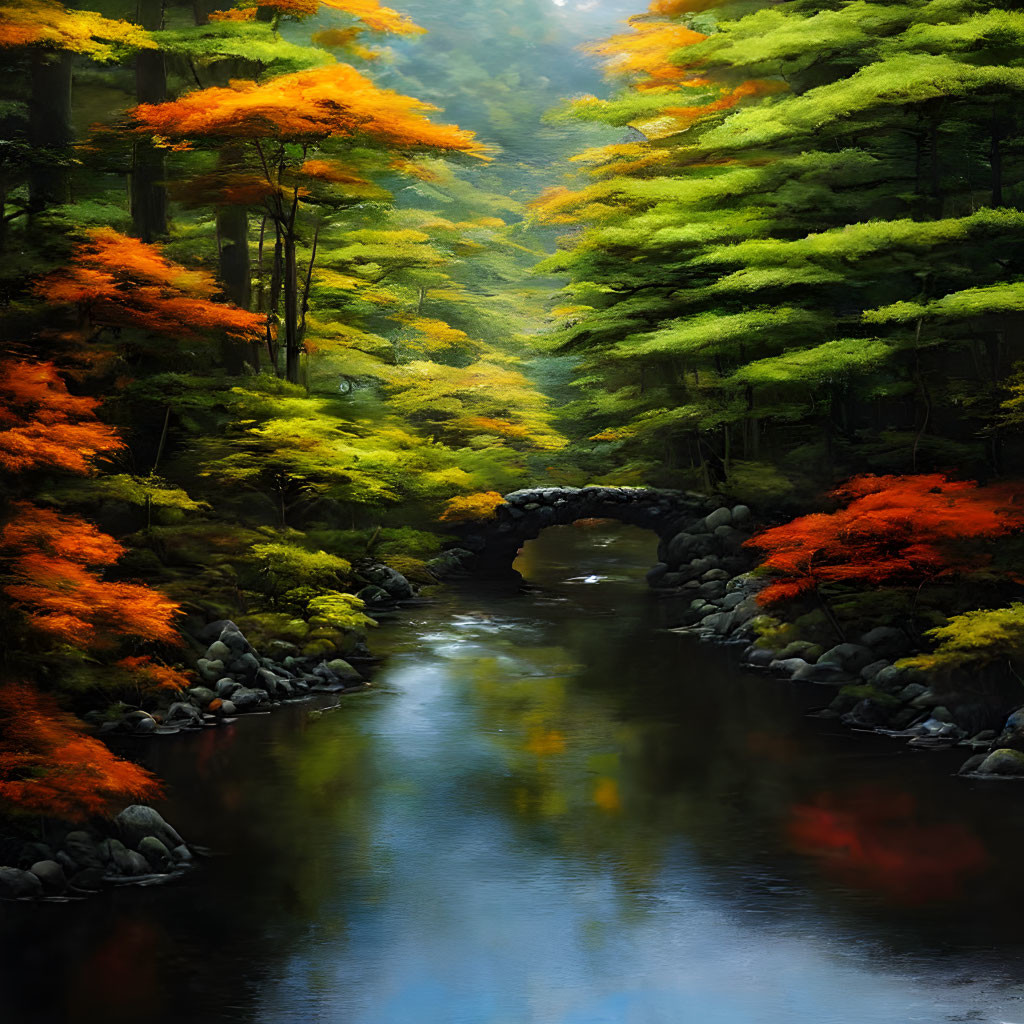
[550, 810]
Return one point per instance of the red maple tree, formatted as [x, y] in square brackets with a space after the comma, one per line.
[893, 529]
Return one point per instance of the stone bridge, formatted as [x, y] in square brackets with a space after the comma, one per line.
[491, 545]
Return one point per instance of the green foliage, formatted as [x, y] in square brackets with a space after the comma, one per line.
[816, 249]
[974, 639]
[340, 611]
[285, 566]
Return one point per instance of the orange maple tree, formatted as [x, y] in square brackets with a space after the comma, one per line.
[893, 529]
[283, 124]
[117, 281]
[43, 426]
[644, 53]
[48, 766]
[51, 577]
[51, 572]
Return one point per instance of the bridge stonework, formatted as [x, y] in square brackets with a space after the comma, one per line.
[491, 545]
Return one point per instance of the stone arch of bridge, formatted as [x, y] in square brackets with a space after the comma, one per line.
[491, 545]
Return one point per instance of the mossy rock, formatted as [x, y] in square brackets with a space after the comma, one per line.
[810, 652]
[865, 691]
[319, 648]
[850, 696]
[261, 629]
[1003, 762]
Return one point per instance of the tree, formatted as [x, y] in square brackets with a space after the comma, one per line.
[51, 572]
[282, 124]
[798, 261]
[48, 767]
[893, 530]
[116, 281]
[42, 425]
[47, 35]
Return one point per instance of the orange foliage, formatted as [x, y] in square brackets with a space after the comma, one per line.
[69, 603]
[153, 675]
[369, 12]
[728, 100]
[119, 281]
[894, 528]
[70, 537]
[673, 8]
[375, 17]
[335, 100]
[472, 507]
[47, 765]
[235, 14]
[49, 579]
[333, 172]
[644, 51]
[42, 426]
[872, 839]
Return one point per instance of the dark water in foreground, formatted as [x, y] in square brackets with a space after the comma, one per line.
[549, 811]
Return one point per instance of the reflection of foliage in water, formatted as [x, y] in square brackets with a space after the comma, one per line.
[568, 758]
[649, 744]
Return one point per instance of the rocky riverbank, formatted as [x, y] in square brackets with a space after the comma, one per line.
[137, 848]
[234, 679]
[868, 689]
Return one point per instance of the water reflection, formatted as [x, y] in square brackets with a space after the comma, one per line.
[550, 810]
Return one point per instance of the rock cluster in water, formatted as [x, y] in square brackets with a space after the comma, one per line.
[138, 848]
[706, 560]
[235, 680]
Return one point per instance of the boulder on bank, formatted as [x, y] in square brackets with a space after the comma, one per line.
[156, 854]
[850, 657]
[720, 517]
[1004, 762]
[16, 884]
[1012, 736]
[392, 582]
[138, 821]
[51, 876]
[374, 596]
[82, 849]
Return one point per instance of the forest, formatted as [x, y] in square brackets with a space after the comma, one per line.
[292, 289]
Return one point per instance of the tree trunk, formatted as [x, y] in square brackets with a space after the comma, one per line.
[233, 228]
[149, 163]
[233, 231]
[273, 321]
[292, 345]
[49, 112]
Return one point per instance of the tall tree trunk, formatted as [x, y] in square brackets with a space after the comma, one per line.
[149, 163]
[233, 229]
[292, 345]
[49, 112]
[233, 232]
[274, 304]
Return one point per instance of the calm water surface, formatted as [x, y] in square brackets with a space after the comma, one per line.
[550, 810]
